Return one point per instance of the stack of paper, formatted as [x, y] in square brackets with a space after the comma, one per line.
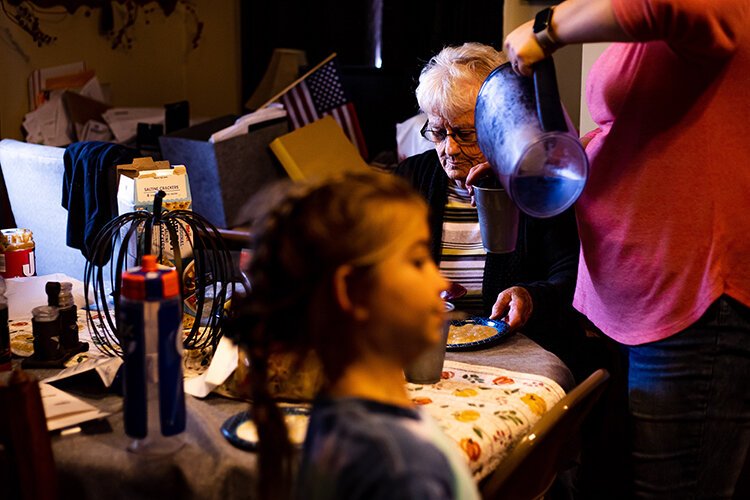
[49, 124]
[124, 121]
[50, 121]
[56, 78]
[63, 410]
[99, 366]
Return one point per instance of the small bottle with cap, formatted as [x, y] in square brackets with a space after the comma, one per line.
[60, 295]
[150, 327]
[45, 324]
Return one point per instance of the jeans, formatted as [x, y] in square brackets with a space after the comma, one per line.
[689, 402]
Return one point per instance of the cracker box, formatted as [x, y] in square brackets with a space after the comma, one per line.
[140, 181]
[138, 184]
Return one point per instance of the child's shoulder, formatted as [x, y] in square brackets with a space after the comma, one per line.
[360, 442]
[370, 429]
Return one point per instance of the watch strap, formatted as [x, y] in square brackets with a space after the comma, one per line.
[543, 32]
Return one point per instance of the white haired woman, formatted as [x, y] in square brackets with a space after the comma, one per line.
[532, 287]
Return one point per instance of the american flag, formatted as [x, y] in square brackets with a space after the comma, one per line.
[320, 94]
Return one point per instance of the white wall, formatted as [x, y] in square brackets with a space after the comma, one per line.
[160, 68]
[591, 52]
[567, 59]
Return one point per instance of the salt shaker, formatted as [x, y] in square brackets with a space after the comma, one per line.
[45, 323]
[61, 296]
[150, 325]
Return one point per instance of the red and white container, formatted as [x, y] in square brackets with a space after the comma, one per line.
[17, 253]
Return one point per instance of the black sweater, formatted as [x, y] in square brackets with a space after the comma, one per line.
[545, 261]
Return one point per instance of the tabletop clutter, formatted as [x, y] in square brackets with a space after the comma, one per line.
[483, 409]
[157, 287]
[153, 254]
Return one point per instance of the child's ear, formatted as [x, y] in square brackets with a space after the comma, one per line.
[347, 296]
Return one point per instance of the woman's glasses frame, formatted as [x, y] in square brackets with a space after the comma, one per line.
[464, 137]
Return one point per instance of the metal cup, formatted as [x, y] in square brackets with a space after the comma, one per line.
[428, 367]
[498, 217]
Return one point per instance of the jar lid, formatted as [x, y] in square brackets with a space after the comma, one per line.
[150, 281]
[45, 313]
[16, 239]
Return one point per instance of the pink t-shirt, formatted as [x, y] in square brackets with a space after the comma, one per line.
[665, 217]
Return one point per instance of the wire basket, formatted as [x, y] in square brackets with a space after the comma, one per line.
[121, 244]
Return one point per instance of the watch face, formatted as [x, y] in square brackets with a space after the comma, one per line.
[542, 19]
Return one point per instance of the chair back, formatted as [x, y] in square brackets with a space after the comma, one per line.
[33, 176]
[530, 469]
[28, 464]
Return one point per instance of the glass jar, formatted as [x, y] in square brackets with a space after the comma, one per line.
[17, 253]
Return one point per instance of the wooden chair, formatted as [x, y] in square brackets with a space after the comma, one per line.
[530, 469]
[26, 447]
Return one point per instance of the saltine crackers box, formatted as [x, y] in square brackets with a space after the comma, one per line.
[140, 181]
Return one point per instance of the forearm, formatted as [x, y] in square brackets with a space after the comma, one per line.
[573, 21]
[587, 21]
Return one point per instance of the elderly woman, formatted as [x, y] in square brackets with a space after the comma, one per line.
[531, 287]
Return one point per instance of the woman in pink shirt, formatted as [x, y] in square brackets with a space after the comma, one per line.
[664, 223]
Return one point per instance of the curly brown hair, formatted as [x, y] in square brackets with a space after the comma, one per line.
[302, 234]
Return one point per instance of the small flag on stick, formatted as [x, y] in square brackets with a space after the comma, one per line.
[319, 93]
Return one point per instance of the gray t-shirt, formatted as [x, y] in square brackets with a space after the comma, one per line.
[362, 449]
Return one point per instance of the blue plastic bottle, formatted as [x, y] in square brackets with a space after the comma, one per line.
[150, 324]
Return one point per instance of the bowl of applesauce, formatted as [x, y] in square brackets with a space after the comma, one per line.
[475, 333]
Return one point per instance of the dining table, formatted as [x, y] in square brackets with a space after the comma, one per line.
[486, 401]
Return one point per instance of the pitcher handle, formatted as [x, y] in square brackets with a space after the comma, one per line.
[548, 106]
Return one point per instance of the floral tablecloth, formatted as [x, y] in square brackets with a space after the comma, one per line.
[195, 361]
[486, 410]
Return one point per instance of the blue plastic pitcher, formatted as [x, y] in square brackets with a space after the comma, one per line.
[529, 140]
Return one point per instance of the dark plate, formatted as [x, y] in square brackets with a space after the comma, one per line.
[500, 326]
[240, 429]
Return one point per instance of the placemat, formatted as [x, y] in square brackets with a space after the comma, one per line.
[485, 410]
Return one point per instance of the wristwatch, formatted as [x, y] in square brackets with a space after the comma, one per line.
[543, 32]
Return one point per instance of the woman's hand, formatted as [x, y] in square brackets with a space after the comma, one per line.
[477, 172]
[522, 48]
[514, 306]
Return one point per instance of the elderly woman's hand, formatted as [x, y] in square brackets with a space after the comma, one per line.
[477, 172]
[522, 48]
[514, 306]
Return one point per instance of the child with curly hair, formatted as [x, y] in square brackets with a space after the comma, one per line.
[342, 268]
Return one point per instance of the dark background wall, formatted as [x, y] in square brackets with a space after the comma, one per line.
[412, 31]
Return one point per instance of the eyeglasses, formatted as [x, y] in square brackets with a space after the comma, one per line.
[463, 137]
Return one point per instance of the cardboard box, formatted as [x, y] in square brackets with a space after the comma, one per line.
[138, 184]
[224, 175]
[140, 181]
